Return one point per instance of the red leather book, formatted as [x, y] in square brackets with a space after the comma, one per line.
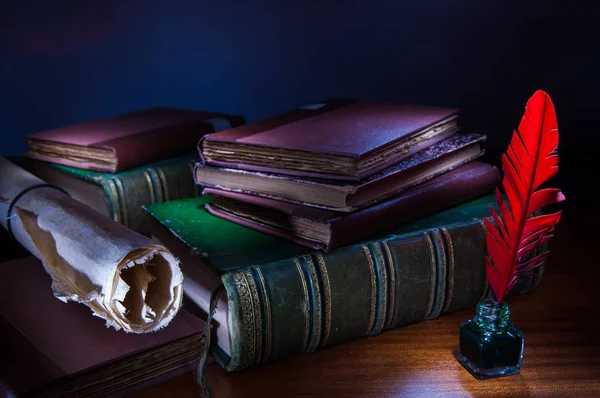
[129, 140]
[347, 196]
[326, 230]
[53, 349]
[336, 139]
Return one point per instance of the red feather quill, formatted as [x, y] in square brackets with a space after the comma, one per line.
[531, 159]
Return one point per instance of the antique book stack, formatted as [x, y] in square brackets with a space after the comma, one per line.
[336, 172]
[81, 215]
[118, 164]
[320, 225]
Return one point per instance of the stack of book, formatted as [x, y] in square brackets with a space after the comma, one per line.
[330, 222]
[118, 164]
[114, 165]
[340, 171]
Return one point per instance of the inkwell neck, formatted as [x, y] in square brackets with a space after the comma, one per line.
[492, 316]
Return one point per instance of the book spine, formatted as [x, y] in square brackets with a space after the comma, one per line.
[302, 304]
[128, 192]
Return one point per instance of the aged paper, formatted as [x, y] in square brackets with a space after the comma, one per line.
[132, 282]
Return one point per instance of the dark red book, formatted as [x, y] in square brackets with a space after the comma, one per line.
[336, 139]
[125, 141]
[327, 230]
[53, 349]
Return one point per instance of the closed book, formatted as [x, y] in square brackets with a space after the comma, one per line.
[121, 196]
[125, 141]
[326, 230]
[347, 196]
[283, 299]
[337, 139]
[53, 349]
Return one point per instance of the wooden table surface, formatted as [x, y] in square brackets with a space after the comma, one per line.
[560, 322]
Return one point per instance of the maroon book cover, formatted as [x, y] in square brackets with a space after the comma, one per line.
[132, 139]
[350, 128]
[450, 189]
[52, 348]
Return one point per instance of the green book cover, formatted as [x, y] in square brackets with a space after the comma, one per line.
[286, 299]
[122, 195]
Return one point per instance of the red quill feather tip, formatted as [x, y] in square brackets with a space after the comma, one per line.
[530, 160]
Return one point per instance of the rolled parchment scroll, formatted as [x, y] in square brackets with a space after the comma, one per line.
[132, 282]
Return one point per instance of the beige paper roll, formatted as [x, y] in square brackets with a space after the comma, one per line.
[132, 282]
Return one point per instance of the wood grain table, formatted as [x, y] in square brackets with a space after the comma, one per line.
[560, 322]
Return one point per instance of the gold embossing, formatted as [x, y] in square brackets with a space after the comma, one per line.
[305, 302]
[268, 321]
[150, 186]
[450, 247]
[241, 285]
[392, 284]
[432, 279]
[382, 287]
[115, 201]
[256, 310]
[373, 287]
[327, 297]
[165, 186]
[316, 305]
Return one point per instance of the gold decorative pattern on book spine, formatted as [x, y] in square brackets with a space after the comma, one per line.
[486, 285]
[246, 310]
[392, 289]
[150, 186]
[373, 288]
[327, 297]
[268, 335]
[382, 289]
[117, 216]
[442, 268]
[450, 247]
[432, 280]
[256, 310]
[165, 186]
[316, 305]
[305, 303]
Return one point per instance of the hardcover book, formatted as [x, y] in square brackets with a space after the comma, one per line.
[52, 349]
[121, 196]
[283, 299]
[325, 230]
[336, 139]
[125, 141]
[347, 196]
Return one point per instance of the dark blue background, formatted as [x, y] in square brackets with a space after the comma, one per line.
[70, 61]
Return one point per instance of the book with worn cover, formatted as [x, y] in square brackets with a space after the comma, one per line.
[283, 299]
[340, 139]
[53, 349]
[121, 196]
[125, 141]
[347, 196]
[326, 230]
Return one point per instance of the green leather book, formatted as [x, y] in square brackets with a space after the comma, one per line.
[283, 299]
[122, 195]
